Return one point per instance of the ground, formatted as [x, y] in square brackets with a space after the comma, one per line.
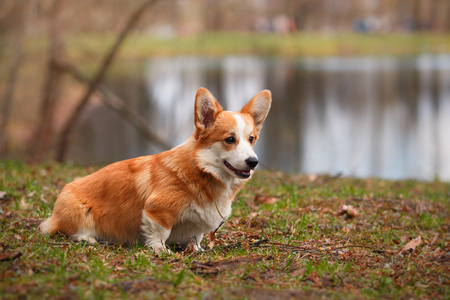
[290, 236]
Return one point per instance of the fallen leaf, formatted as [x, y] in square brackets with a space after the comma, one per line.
[348, 210]
[421, 207]
[2, 195]
[24, 204]
[435, 237]
[395, 241]
[412, 245]
[189, 249]
[298, 272]
[438, 252]
[252, 215]
[41, 197]
[314, 277]
[405, 238]
[211, 239]
[264, 199]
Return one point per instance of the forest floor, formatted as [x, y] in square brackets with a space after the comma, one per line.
[289, 236]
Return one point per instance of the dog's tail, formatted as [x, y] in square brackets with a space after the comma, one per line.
[49, 226]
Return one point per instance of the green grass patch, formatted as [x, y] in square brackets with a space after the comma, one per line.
[288, 242]
[90, 47]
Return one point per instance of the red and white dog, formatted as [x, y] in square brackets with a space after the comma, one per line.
[174, 197]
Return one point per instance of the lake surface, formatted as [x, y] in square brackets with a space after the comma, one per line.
[361, 116]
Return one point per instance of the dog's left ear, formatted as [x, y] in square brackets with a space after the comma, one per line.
[258, 107]
[206, 109]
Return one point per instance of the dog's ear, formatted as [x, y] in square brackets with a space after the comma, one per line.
[206, 109]
[258, 107]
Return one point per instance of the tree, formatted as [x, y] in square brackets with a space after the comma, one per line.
[69, 125]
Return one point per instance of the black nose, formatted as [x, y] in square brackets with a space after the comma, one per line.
[252, 162]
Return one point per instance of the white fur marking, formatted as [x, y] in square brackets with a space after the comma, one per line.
[155, 235]
[195, 221]
[87, 231]
[244, 149]
[212, 158]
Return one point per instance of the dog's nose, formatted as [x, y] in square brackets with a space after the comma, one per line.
[252, 162]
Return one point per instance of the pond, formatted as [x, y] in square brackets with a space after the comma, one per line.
[387, 117]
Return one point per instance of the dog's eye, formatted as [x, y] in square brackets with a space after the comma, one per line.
[230, 140]
[251, 139]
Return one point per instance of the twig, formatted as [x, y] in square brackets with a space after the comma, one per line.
[59, 244]
[70, 123]
[117, 104]
[237, 244]
[82, 242]
[10, 257]
[325, 249]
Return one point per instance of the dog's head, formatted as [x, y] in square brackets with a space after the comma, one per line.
[225, 139]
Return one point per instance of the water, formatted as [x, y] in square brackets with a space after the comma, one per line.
[361, 116]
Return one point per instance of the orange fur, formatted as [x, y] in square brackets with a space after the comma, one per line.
[168, 189]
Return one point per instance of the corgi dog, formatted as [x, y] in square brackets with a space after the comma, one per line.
[171, 198]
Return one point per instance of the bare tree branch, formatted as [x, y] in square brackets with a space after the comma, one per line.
[67, 129]
[117, 104]
[44, 133]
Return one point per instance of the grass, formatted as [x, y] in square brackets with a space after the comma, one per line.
[293, 246]
[90, 47]
[292, 45]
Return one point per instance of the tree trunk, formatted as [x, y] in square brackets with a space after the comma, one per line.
[11, 83]
[43, 136]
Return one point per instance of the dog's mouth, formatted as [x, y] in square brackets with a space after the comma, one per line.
[240, 173]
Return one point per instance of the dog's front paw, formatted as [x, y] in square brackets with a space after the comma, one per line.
[160, 248]
[198, 248]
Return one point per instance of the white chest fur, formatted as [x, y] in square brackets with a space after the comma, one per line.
[196, 221]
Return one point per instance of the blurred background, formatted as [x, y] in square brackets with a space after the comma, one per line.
[360, 87]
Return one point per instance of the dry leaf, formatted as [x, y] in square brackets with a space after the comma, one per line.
[421, 207]
[395, 241]
[348, 210]
[252, 215]
[435, 237]
[345, 229]
[412, 245]
[24, 204]
[298, 272]
[2, 195]
[212, 238]
[438, 252]
[314, 277]
[264, 199]
[189, 249]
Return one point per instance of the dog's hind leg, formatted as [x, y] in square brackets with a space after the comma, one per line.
[86, 231]
[71, 217]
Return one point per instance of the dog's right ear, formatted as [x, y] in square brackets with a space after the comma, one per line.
[206, 109]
